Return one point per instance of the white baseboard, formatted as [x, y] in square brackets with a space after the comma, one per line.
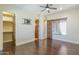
[21, 43]
[68, 41]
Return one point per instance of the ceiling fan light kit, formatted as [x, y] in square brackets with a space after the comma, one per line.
[47, 7]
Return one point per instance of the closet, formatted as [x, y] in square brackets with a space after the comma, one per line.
[8, 32]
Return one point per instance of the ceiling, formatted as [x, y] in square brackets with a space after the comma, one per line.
[35, 8]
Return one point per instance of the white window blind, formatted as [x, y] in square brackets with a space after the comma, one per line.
[62, 25]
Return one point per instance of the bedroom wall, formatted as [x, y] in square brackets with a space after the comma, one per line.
[24, 32]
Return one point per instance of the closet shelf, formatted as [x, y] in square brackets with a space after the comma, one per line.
[7, 41]
[8, 22]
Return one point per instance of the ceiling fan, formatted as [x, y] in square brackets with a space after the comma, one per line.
[47, 7]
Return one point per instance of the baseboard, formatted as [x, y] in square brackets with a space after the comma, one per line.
[68, 41]
[21, 43]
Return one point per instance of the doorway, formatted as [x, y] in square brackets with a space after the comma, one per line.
[36, 31]
[49, 29]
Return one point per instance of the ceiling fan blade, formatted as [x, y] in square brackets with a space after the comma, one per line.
[53, 8]
[43, 6]
[43, 10]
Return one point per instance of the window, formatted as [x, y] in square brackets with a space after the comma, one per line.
[62, 25]
[59, 27]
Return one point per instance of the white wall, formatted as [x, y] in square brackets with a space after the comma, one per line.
[1, 33]
[24, 32]
[72, 25]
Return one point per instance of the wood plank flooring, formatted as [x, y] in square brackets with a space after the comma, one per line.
[43, 47]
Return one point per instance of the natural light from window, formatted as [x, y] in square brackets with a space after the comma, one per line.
[63, 27]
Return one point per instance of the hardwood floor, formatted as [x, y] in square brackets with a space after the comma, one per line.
[44, 47]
